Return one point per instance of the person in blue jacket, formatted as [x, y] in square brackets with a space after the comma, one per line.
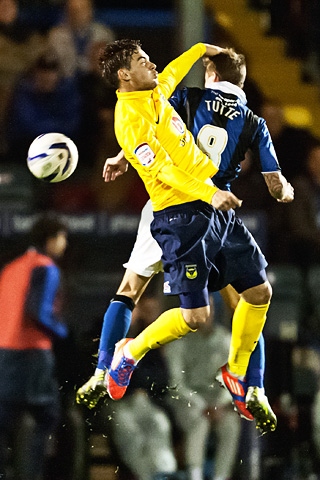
[42, 101]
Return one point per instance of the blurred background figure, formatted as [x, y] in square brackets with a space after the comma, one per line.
[201, 408]
[140, 425]
[304, 218]
[98, 108]
[20, 45]
[74, 37]
[302, 226]
[75, 41]
[42, 101]
[30, 319]
[128, 194]
[291, 143]
[249, 182]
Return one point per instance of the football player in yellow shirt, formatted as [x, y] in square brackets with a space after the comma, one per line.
[192, 218]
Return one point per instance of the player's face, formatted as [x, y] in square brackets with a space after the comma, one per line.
[142, 74]
[55, 246]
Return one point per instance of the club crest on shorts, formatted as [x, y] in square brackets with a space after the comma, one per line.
[191, 271]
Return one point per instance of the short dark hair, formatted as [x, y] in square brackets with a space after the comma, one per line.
[45, 227]
[117, 55]
[228, 65]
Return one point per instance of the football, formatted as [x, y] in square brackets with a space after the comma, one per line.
[52, 157]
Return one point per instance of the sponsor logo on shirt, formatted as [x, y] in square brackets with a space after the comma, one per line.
[144, 154]
[178, 124]
[191, 271]
[166, 287]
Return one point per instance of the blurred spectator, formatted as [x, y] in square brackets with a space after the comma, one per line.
[42, 102]
[97, 137]
[199, 404]
[292, 450]
[19, 47]
[259, 205]
[76, 41]
[141, 428]
[301, 227]
[305, 361]
[304, 214]
[30, 319]
[128, 194]
[250, 185]
[75, 36]
[291, 143]
[98, 108]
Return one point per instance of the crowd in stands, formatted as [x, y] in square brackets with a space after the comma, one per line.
[50, 81]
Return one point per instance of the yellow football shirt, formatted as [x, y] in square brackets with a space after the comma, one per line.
[157, 143]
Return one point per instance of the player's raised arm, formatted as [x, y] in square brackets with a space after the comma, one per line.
[212, 50]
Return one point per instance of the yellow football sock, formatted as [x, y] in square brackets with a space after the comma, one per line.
[247, 324]
[169, 326]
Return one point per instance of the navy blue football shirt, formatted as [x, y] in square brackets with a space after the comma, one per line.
[225, 128]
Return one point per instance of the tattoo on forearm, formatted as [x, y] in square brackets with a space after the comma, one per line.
[275, 184]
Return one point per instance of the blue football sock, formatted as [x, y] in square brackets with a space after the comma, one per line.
[256, 367]
[116, 323]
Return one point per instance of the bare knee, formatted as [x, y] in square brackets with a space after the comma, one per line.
[258, 295]
[195, 317]
[133, 285]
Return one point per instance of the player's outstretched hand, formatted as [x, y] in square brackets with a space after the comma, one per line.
[114, 167]
[224, 200]
[213, 50]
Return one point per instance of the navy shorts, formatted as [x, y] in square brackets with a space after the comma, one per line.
[204, 248]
